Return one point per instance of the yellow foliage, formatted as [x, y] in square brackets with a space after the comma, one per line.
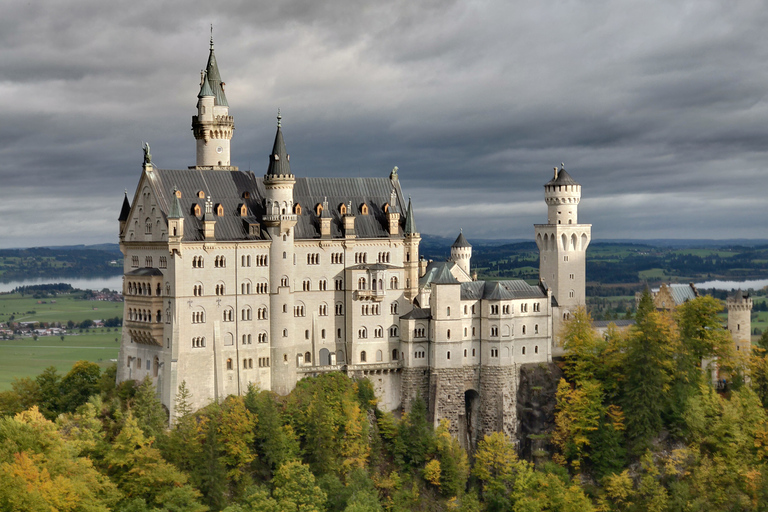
[432, 472]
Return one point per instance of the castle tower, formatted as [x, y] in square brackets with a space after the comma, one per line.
[212, 126]
[461, 253]
[740, 320]
[125, 212]
[563, 243]
[279, 221]
[411, 247]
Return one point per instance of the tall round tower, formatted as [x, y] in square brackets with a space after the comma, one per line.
[563, 243]
[279, 221]
[213, 127]
[461, 253]
[740, 320]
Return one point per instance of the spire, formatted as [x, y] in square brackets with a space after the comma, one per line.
[279, 160]
[205, 87]
[213, 78]
[125, 211]
[208, 210]
[175, 212]
[461, 241]
[410, 222]
[326, 213]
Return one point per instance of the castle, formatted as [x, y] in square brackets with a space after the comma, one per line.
[234, 279]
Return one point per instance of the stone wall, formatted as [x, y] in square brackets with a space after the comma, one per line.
[414, 383]
[536, 404]
[498, 397]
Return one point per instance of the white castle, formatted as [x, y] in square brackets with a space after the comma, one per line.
[233, 279]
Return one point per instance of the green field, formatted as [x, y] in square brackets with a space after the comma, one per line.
[67, 307]
[24, 357]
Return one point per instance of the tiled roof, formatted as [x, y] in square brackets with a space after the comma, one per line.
[418, 314]
[461, 241]
[438, 273]
[500, 290]
[229, 189]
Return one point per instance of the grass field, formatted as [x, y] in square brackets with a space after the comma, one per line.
[24, 357]
[67, 307]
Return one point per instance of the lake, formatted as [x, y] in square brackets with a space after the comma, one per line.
[755, 284]
[98, 283]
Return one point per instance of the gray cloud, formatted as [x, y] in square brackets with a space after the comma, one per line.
[657, 108]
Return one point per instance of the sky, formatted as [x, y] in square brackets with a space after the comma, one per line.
[657, 108]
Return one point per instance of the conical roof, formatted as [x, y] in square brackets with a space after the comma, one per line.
[410, 222]
[278, 160]
[125, 211]
[213, 78]
[175, 212]
[461, 241]
[562, 178]
[205, 88]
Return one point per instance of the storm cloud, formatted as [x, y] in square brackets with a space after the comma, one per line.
[657, 108]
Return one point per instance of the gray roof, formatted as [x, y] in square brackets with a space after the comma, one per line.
[125, 211]
[438, 273]
[145, 271]
[461, 241]
[681, 292]
[229, 188]
[739, 295]
[410, 221]
[279, 161]
[500, 290]
[176, 211]
[597, 324]
[418, 313]
[205, 88]
[563, 178]
[213, 78]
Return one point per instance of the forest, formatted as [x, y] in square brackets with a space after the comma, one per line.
[639, 426]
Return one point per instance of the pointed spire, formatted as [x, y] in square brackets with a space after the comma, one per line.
[410, 222]
[125, 211]
[279, 160]
[214, 78]
[205, 87]
[175, 212]
[461, 241]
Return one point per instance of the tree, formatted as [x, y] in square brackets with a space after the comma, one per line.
[148, 410]
[183, 399]
[79, 384]
[295, 489]
[274, 441]
[583, 347]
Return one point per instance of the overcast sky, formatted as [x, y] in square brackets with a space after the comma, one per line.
[657, 108]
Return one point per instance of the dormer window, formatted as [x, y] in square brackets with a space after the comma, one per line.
[364, 209]
[297, 209]
[318, 209]
[343, 209]
[219, 210]
[246, 195]
[243, 210]
[178, 194]
[386, 208]
[197, 210]
[201, 194]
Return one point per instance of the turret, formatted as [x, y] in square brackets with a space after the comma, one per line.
[411, 247]
[562, 195]
[279, 221]
[213, 127]
[209, 221]
[461, 253]
[393, 214]
[740, 320]
[325, 220]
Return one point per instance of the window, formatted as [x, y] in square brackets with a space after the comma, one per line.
[494, 331]
[536, 307]
[494, 352]
[570, 294]
[229, 363]
[337, 258]
[198, 342]
[148, 227]
[361, 283]
[448, 311]
[306, 285]
[419, 354]
[163, 262]
[197, 262]
[228, 315]
[247, 339]
[536, 329]
[284, 281]
[263, 362]
[505, 309]
[306, 334]
[323, 310]
[465, 352]
[494, 310]
[362, 333]
[322, 285]
[197, 290]
[465, 332]
[523, 330]
[378, 332]
[148, 262]
[394, 354]
[261, 314]
[322, 333]
[219, 262]
[245, 288]
[198, 317]
[262, 337]
[473, 331]
[339, 285]
[362, 357]
[262, 288]
[298, 310]
[339, 309]
[393, 331]
[135, 261]
[465, 309]
[523, 350]
[420, 332]
[393, 308]
[448, 355]
[338, 333]
[219, 289]
[245, 313]
[448, 335]
[473, 352]
[313, 259]
[536, 349]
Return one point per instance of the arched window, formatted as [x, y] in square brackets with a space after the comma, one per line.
[361, 283]
[362, 357]
[229, 363]
[393, 308]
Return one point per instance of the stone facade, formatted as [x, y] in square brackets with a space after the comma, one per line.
[233, 279]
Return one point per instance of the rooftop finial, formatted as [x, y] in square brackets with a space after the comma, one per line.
[211, 36]
[279, 118]
[562, 165]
